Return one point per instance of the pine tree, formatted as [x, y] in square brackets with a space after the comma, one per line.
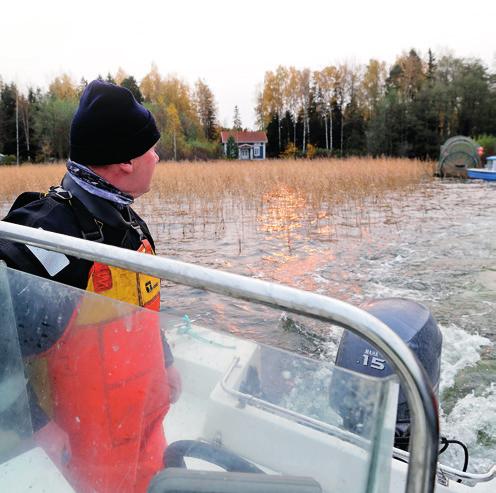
[231, 148]
[8, 122]
[237, 125]
[205, 105]
[131, 84]
[110, 79]
[431, 66]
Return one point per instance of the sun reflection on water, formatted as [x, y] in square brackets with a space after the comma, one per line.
[283, 210]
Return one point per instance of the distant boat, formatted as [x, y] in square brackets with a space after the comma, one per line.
[457, 154]
[488, 173]
[481, 174]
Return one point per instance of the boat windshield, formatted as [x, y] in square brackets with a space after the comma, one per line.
[84, 389]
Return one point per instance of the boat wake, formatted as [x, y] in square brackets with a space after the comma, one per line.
[470, 418]
[460, 350]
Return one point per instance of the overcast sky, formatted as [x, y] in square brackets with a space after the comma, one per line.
[228, 43]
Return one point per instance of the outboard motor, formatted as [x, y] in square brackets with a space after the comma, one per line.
[415, 325]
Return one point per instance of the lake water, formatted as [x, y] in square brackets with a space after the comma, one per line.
[435, 245]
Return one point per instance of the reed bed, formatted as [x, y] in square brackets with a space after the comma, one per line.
[285, 198]
[206, 190]
[29, 177]
[318, 181]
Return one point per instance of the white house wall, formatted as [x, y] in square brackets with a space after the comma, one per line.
[261, 145]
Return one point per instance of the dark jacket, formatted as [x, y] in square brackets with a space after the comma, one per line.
[83, 216]
[118, 227]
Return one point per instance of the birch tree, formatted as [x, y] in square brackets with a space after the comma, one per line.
[342, 95]
[24, 115]
[120, 75]
[63, 87]
[273, 98]
[304, 80]
[151, 83]
[292, 96]
[372, 86]
[326, 81]
[173, 129]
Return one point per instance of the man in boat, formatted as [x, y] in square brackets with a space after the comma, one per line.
[109, 429]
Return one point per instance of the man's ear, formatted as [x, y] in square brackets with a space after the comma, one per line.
[126, 167]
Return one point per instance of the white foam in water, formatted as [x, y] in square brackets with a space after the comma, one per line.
[473, 422]
[460, 349]
[473, 418]
[330, 347]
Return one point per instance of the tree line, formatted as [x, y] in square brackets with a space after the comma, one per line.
[36, 125]
[409, 109]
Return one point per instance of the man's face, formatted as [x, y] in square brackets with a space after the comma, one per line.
[141, 177]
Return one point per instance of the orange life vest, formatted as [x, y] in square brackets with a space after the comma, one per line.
[108, 383]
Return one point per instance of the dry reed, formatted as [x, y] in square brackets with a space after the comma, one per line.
[282, 195]
[278, 195]
[317, 182]
[29, 177]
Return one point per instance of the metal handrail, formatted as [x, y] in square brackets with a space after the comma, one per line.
[421, 399]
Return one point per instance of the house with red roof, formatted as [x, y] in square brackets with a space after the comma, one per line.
[251, 145]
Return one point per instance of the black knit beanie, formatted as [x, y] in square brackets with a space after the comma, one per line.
[110, 126]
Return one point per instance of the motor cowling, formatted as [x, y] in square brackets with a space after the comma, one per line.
[414, 323]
